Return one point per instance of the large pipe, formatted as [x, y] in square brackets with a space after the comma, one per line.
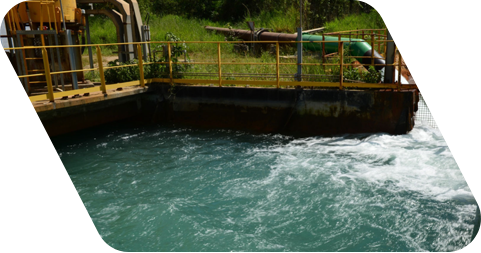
[391, 45]
[358, 47]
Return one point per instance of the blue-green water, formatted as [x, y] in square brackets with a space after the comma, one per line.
[162, 188]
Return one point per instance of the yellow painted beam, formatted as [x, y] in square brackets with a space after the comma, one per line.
[24, 100]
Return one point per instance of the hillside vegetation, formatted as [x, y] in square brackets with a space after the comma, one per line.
[315, 12]
[186, 18]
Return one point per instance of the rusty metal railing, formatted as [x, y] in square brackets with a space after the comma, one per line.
[376, 37]
[51, 95]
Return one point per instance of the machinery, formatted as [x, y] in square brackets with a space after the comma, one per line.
[62, 22]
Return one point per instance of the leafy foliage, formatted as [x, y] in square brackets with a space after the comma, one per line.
[177, 50]
[370, 76]
[124, 74]
[186, 18]
[156, 70]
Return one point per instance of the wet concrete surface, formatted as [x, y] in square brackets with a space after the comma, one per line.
[291, 111]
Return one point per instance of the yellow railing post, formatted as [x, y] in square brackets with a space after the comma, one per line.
[399, 71]
[372, 47]
[341, 70]
[170, 64]
[385, 43]
[141, 66]
[323, 51]
[101, 70]
[277, 66]
[48, 77]
[219, 64]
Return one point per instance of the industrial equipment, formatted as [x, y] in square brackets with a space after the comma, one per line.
[62, 23]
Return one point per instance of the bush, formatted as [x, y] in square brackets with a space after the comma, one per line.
[371, 76]
[124, 74]
[156, 70]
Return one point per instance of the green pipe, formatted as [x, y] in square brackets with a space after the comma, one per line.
[357, 47]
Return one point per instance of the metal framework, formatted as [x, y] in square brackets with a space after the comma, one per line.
[51, 95]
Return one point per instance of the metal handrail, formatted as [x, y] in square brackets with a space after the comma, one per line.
[278, 76]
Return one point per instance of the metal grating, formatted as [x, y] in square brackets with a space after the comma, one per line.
[450, 113]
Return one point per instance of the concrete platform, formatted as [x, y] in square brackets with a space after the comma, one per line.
[306, 112]
[73, 114]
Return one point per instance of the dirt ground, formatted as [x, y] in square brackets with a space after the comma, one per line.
[105, 60]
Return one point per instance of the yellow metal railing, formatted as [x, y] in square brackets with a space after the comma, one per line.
[13, 19]
[51, 95]
[379, 35]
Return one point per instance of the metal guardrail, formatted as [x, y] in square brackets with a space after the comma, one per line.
[51, 95]
[363, 33]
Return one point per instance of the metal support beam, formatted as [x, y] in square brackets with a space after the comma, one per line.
[136, 19]
[299, 45]
[389, 69]
[89, 41]
[53, 61]
[21, 63]
[73, 65]
[299, 55]
[118, 22]
[124, 8]
[145, 37]
[59, 62]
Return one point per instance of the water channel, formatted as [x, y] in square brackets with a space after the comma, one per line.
[129, 187]
[168, 188]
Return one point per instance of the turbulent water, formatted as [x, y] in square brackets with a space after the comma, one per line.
[162, 188]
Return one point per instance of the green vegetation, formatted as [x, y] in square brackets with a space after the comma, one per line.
[187, 18]
[369, 76]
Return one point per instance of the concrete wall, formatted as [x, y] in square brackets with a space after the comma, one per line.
[292, 111]
[78, 117]
[303, 112]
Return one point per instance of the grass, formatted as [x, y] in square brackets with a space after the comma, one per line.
[370, 20]
[103, 31]
[260, 64]
[276, 20]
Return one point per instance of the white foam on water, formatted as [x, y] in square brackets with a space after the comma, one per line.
[274, 192]
[419, 161]
[412, 167]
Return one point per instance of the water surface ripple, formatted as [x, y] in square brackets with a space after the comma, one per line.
[162, 188]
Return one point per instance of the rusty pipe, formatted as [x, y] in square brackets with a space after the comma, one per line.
[465, 54]
[247, 35]
[357, 47]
